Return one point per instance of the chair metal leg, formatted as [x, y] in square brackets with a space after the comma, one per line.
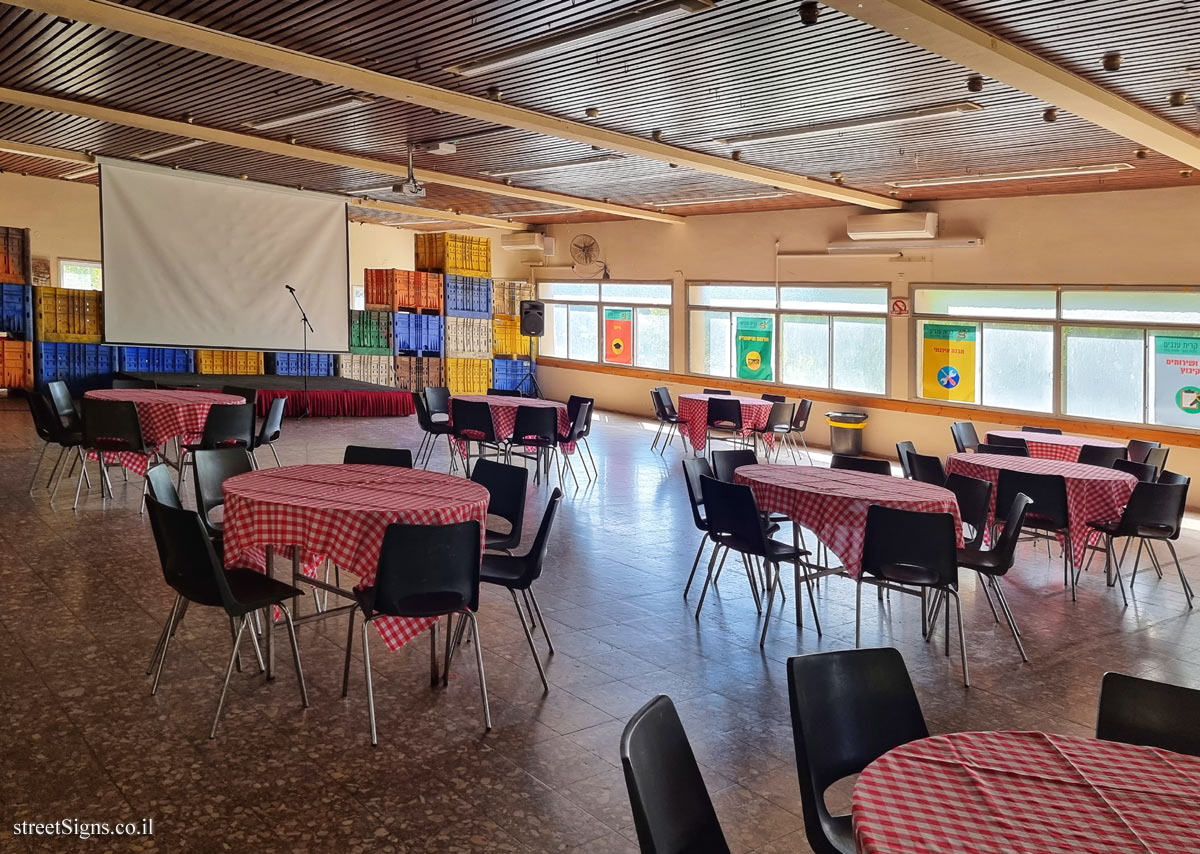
[291, 627]
[434, 675]
[588, 447]
[772, 584]
[1113, 557]
[237, 650]
[166, 645]
[1187, 588]
[708, 579]
[529, 609]
[983, 585]
[695, 564]
[78, 485]
[1012, 623]
[529, 639]
[538, 609]
[258, 656]
[962, 636]
[370, 689]
[38, 468]
[747, 564]
[349, 645]
[459, 629]
[275, 454]
[237, 639]
[858, 613]
[168, 629]
[1154, 558]
[487, 711]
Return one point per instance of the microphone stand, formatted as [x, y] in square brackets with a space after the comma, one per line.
[305, 328]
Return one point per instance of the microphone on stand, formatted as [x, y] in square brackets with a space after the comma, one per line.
[290, 288]
[305, 327]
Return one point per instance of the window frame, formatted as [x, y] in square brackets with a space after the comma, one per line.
[600, 304]
[81, 262]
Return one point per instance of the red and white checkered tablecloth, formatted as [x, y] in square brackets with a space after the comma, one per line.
[1051, 446]
[832, 503]
[1092, 492]
[342, 512]
[693, 408]
[504, 413]
[1026, 793]
[164, 414]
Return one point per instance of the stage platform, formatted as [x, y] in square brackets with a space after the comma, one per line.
[327, 396]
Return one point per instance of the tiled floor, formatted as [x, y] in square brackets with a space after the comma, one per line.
[81, 737]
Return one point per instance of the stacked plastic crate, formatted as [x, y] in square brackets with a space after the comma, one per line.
[299, 364]
[67, 325]
[16, 310]
[418, 326]
[245, 362]
[513, 353]
[466, 262]
[372, 340]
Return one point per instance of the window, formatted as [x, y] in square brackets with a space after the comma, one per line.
[79, 275]
[820, 336]
[617, 323]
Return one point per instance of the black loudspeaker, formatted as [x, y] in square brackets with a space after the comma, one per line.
[533, 317]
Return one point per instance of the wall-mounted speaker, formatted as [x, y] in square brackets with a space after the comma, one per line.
[533, 317]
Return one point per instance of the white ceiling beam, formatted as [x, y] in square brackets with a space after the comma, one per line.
[931, 27]
[44, 152]
[160, 28]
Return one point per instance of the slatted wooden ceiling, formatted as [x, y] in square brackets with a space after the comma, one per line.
[743, 66]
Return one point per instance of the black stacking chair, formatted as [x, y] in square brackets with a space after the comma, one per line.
[672, 811]
[964, 435]
[1098, 455]
[432, 429]
[668, 418]
[1142, 471]
[424, 571]
[863, 464]
[109, 427]
[129, 382]
[994, 440]
[1154, 514]
[1049, 517]
[270, 429]
[725, 463]
[211, 469]
[903, 449]
[1173, 477]
[1157, 457]
[473, 423]
[51, 431]
[974, 496]
[437, 400]
[1053, 431]
[725, 420]
[65, 406]
[1149, 713]
[1002, 450]
[927, 469]
[915, 549]
[225, 426]
[574, 402]
[361, 455]
[191, 567]
[162, 486]
[574, 436]
[1137, 449]
[503, 392]
[518, 572]
[774, 398]
[849, 707]
[535, 427]
[994, 563]
[717, 391]
[799, 425]
[250, 395]
[779, 424]
[694, 468]
[506, 486]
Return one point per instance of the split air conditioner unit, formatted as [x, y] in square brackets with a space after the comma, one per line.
[905, 225]
[850, 247]
[527, 241]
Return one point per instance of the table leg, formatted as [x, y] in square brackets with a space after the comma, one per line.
[269, 622]
[434, 675]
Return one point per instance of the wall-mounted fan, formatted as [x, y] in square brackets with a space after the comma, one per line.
[585, 250]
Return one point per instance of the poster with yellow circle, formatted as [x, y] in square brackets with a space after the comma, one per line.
[754, 345]
[618, 336]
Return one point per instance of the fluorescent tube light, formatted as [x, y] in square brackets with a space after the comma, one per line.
[311, 113]
[559, 41]
[382, 188]
[86, 172]
[549, 167]
[698, 201]
[1027, 175]
[558, 212]
[420, 222]
[170, 149]
[923, 114]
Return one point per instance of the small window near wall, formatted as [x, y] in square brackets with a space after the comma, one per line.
[80, 275]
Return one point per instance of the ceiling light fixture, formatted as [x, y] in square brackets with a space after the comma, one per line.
[1027, 175]
[170, 149]
[549, 167]
[559, 212]
[86, 172]
[382, 188]
[924, 114]
[311, 113]
[697, 201]
[559, 41]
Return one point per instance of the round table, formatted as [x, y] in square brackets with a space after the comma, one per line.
[693, 409]
[1052, 446]
[832, 503]
[341, 512]
[1092, 492]
[1026, 793]
[504, 413]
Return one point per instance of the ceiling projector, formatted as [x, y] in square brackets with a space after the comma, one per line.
[411, 187]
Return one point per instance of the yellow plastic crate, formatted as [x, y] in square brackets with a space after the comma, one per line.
[229, 362]
[68, 316]
[16, 364]
[468, 376]
[457, 254]
[507, 339]
[507, 297]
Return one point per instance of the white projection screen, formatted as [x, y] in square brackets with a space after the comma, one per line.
[196, 260]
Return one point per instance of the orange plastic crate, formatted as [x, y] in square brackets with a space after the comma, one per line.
[16, 364]
[229, 362]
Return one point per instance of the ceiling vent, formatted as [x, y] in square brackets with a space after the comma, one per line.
[906, 225]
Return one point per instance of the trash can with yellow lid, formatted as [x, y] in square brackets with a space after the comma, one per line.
[845, 432]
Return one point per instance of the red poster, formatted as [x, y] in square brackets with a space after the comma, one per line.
[618, 336]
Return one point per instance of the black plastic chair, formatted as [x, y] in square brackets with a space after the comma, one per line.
[668, 418]
[129, 382]
[361, 455]
[437, 400]
[1157, 457]
[109, 427]
[974, 496]
[725, 463]
[162, 486]
[64, 405]
[799, 425]
[779, 424]
[1148, 713]
[503, 392]
[672, 811]
[191, 567]
[849, 707]
[995, 439]
[574, 436]
[918, 550]
[903, 449]
[506, 486]
[964, 435]
[225, 426]
[1049, 518]
[1002, 450]
[1173, 477]
[423, 571]
[270, 429]
[250, 395]
[695, 468]
[1142, 471]
[725, 420]
[717, 391]
[774, 398]
[473, 424]
[1137, 449]
[994, 563]
[574, 402]
[927, 468]
[1154, 513]
[211, 469]
[518, 572]
[432, 429]
[1053, 431]
[51, 431]
[863, 464]
[536, 427]
[1098, 455]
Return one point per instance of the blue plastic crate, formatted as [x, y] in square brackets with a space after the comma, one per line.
[16, 311]
[468, 296]
[292, 364]
[82, 366]
[507, 374]
[158, 360]
[418, 334]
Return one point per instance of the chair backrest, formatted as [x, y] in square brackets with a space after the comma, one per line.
[362, 455]
[272, 425]
[1002, 450]
[927, 469]
[1142, 471]
[437, 399]
[717, 391]
[427, 570]
[725, 413]
[1098, 455]
[1048, 491]
[964, 435]
[996, 439]
[1173, 477]
[864, 464]
[725, 463]
[424, 419]
[1005, 546]
[161, 486]
[111, 425]
[504, 392]
[579, 422]
[574, 402]
[129, 382]
[506, 486]
[656, 401]
[189, 562]
[1137, 449]
[41, 409]
[473, 418]
[1054, 431]
[803, 411]
[1157, 457]
[664, 394]
[250, 395]
[910, 538]
[535, 558]
[535, 422]
[849, 707]
[695, 468]
[212, 468]
[974, 496]
[903, 449]
[780, 417]
[63, 404]
[672, 811]
[1157, 506]
[1145, 712]
[229, 425]
[774, 398]
[733, 516]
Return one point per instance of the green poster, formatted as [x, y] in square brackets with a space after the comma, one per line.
[754, 348]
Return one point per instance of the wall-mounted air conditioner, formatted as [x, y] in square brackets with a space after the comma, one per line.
[905, 225]
[849, 247]
[526, 241]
